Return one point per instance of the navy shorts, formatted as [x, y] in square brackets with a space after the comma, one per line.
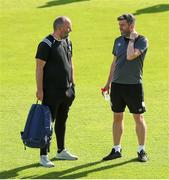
[130, 95]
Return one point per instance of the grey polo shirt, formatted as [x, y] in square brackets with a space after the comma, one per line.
[129, 72]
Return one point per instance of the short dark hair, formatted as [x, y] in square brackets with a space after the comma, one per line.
[128, 17]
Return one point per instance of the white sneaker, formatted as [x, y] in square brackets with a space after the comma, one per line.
[44, 161]
[66, 155]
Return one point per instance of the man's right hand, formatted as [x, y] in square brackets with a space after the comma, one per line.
[107, 88]
[39, 95]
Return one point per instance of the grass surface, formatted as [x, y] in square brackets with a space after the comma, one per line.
[24, 24]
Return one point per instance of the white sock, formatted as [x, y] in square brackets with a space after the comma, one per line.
[117, 148]
[44, 156]
[141, 147]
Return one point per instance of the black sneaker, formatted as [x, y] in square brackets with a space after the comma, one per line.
[142, 156]
[113, 155]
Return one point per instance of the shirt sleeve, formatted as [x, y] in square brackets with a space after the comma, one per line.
[141, 44]
[42, 51]
[114, 48]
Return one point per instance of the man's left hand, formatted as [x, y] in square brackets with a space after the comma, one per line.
[133, 35]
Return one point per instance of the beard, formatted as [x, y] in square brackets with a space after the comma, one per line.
[65, 36]
[126, 33]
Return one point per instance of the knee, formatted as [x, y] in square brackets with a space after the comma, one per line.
[139, 118]
[118, 117]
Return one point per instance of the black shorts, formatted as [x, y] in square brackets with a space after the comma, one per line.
[131, 95]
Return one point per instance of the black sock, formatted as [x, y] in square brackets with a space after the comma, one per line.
[60, 150]
[44, 151]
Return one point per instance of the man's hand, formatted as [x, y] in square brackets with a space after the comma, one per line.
[39, 95]
[107, 88]
[133, 35]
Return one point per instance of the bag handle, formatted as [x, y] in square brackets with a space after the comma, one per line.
[37, 101]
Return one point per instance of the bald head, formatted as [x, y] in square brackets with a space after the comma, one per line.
[60, 22]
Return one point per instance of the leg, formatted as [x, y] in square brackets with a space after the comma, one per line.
[44, 151]
[140, 128]
[118, 106]
[60, 129]
[118, 128]
[141, 135]
[60, 124]
[44, 160]
[117, 134]
[135, 103]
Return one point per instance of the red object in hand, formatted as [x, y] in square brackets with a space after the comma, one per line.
[105, 94]
[103, 89]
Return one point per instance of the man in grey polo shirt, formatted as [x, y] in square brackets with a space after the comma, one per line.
[125, 82]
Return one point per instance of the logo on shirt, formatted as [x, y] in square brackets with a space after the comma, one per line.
[143, 104]
[119, 44]
[140, 110]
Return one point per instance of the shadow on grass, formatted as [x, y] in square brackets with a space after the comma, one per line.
[60, 2]
[153, 9]
[13, 173]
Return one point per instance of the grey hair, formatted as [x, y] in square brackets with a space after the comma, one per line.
[59, 22]
[128, 17]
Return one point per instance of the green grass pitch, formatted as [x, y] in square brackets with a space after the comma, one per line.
[23, 24]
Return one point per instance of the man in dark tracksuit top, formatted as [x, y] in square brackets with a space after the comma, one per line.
[55, 83]
[125, 82]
